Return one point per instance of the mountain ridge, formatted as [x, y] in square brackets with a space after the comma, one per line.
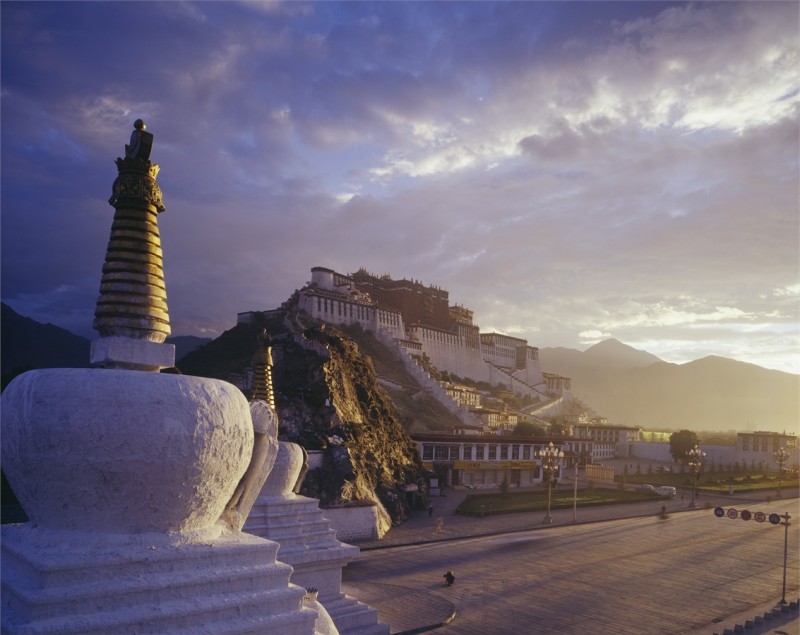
[712, 393]
[624, 384]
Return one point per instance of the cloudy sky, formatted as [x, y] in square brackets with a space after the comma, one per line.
[569, 171]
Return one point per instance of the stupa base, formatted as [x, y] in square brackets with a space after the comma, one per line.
[310, 546]
[57, 582]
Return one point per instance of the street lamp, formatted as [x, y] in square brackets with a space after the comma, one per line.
[551, 457]
[781, 456]
[694, 459]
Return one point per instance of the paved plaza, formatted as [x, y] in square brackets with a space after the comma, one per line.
[619, 569]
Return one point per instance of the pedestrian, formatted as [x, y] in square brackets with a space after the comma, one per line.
[430, 510]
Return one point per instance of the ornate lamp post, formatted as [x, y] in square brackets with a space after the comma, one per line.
[551, 458]
[694, 459]
[781, 456]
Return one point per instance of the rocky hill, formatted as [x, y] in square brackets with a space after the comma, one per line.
[634, 387]
[328, 398]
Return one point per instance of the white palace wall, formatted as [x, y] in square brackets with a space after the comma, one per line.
[336, 308]
[434, 388]
[449, 352]
[332, 299]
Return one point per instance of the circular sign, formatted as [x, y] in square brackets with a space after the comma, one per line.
[775, 519]
[746, 515]
[732, 513]
[759, 517]
[719, 512]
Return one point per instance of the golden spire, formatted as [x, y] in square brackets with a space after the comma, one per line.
[262, 370]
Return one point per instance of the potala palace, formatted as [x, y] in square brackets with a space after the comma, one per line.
[420, 320]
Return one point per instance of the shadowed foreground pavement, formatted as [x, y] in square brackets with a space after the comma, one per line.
[619, 569]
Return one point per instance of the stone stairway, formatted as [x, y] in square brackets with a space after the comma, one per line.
[233, 586]
[310, 546]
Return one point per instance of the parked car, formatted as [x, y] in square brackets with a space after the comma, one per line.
[646, 488]
[666, 490]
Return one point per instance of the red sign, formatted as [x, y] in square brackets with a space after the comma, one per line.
[732, 513]
[746, 515]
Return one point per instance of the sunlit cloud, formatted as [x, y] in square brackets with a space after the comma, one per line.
[633, 175]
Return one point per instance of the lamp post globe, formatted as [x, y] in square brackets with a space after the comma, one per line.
[551, 457]
[694, 459]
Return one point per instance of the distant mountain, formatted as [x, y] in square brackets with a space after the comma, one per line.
[634, 387]
[185, 344]
[615, 354]
[26, 344]
[609, 354]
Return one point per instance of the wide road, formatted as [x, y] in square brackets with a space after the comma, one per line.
[691, 572]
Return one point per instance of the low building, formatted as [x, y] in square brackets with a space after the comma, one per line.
[758, 449]
[621, 437]
[497, 420]
[464, 396]
[486, 459]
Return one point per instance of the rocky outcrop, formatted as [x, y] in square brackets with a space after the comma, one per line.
[328, 398]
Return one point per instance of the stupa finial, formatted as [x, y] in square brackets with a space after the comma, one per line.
[132, 305]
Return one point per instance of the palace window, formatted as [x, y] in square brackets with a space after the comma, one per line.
[492, 452]
[526, 452]
[468, 452]
[454, 452]
[427, 452]
[503, 452]
[745, 443]
[479, 453]
[441, 452]
[514, 452]
[764, 443]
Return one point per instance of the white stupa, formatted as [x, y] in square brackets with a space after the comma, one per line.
[136, 483]
[307, 541]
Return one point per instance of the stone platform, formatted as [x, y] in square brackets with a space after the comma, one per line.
[102, 583]
[310, 546]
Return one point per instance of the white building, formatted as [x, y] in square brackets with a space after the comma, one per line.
[453, 344]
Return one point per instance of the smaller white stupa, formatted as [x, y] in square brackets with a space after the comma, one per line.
[307, 541]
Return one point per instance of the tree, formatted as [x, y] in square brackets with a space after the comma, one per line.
[680, 443]
[529, 429]
[504, 485]
[558, 428]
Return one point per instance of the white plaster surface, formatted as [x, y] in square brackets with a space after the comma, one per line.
[123, 451]
[132, 354]
[95, 584]
[356, 523]
[284, 474]
[324, 624]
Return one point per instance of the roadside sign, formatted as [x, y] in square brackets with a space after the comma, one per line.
[759, 517]
[775, 519]
[746, 515]
[719, 512]
[732, 513]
